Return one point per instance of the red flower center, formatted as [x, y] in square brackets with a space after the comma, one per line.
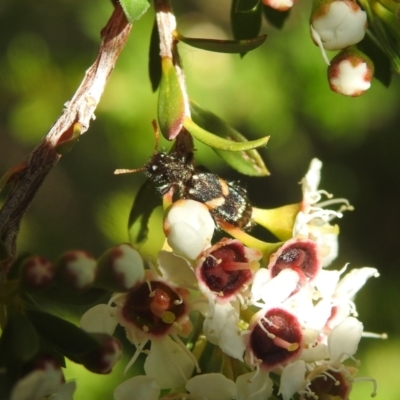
[226, 270]
[153, 306]
[276, 338]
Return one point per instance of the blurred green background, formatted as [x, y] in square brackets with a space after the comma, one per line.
[279, 89]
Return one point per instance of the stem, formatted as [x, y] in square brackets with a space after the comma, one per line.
[79, 111]
[166, 23]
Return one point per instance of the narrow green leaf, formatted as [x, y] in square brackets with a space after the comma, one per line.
[224, 46]
[64, 336]
[245, 5]
[154, 58]
[247, 162]
[171, 104]
[19, 341]
[274, 17]
[216, 142]
[382, 64]
[134, 9]
[144, 204]
[63, 295]
[245, 24]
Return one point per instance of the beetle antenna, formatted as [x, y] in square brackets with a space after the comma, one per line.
[131, 171]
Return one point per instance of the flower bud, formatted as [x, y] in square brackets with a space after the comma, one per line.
[77, 268]
[102, 359]
[189, 227]
[120, 268]
[350, 72]
[37, 273]
[280, 5]
[337, 24]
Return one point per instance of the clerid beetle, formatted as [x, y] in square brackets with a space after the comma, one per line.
[226, 201]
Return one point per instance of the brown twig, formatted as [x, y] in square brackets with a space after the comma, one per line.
[77, 113]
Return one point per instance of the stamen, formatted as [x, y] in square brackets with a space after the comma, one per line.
[139, 349]
[374, 335]
[317, 38]
[284, 344]
[261, 325]
[187, 351]
[374, 383]
[180, 301]
[236, 266]
[168, 317]
[151, 294]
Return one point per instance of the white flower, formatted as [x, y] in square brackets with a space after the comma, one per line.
[138, 388]
[154, 310]
[292, 379]
[221, 327]
[212, 386]
[189, 227]
[338, 24]
[41, 383]
[313, 221]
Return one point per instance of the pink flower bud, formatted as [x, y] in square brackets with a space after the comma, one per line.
[280, 5]
[37, 273]
[78, 269]
[337, 24]
[350, 73]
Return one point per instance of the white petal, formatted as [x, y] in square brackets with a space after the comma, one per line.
[343, 340]
[261, 277]
[212, 387]
[292, 379]
[221, 328]
[176, 269]
[38, 384]
[279, 288]
[168, 363]
[315, 354]
[326, 282]
[66, 391]
[98, 319]
[256, 385]
[354, 281]
[138, 388]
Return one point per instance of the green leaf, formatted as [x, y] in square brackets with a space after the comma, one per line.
[171, 104]
[19, 341]
[216, 142]
[134, 9]
[383, 26]
[248, 162]
[274, 17]
[154, 58]
[382, 64]
[245, 24]
[224, 46]
[242, 6]
[144, 204]
[63, 295]
[64, 336]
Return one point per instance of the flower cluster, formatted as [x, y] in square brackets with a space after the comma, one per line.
[222, 320]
